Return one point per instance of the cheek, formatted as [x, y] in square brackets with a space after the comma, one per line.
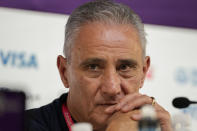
[92, 89]
[85, 87]
[131, 85]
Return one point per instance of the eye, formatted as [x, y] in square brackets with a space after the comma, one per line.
[93, 70]
[93, 67]
[127, 70]
[124, 67]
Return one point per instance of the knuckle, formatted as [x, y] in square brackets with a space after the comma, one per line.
[165, 115]
[137, 95]
[145, 96]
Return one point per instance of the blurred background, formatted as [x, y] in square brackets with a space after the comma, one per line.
[32, 36]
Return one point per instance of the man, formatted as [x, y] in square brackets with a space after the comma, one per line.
[104, 67]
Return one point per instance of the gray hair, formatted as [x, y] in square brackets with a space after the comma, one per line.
[105, 11]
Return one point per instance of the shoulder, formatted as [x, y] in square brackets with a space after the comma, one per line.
[46, 118]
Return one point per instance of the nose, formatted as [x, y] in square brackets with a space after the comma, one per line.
[111, 84]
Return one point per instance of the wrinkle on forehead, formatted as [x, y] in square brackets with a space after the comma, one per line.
[103, 38]
[109, 35]
[109, 32]
[111, 49]
[119, 34]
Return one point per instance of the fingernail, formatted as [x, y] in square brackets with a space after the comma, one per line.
[117, 108]
[124, 109]
[136, 116]
[109, 110]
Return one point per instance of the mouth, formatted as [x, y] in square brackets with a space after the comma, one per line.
[107, 104]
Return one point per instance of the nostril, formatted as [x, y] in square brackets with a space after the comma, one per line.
[111, 90]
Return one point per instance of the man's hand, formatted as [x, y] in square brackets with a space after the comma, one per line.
[122, 122]
[134, 101]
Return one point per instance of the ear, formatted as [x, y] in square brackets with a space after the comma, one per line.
[62, 67]
[145, 69]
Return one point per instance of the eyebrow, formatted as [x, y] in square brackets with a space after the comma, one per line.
[130, 62]
[92, 60]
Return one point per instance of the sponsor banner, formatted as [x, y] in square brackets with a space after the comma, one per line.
[29, 45]
[18, 59]
[173, 68]
[163, 12]
[31, 41]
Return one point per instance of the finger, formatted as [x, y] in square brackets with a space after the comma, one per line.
[126, 100]
[162, 115]
[137, 103]
[164, 120]
[122, 103]
[110, 109]
[136, 117]
[158, 107]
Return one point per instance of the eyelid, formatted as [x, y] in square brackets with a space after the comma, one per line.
[134, 66]
[127, 65]
[88, 66]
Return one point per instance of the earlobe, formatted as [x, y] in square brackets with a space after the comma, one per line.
[62, 67]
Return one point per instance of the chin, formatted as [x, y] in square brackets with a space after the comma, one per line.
[99, 126]
[99, 121]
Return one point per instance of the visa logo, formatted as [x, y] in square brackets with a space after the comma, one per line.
[18, 59]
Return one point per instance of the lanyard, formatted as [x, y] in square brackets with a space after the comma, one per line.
[67, 116]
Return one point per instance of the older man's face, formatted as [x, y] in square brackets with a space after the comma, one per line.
[106, 64]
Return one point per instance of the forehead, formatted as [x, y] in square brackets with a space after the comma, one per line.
[105, 39]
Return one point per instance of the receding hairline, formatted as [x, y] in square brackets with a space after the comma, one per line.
[133, 28]
[103, 11]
